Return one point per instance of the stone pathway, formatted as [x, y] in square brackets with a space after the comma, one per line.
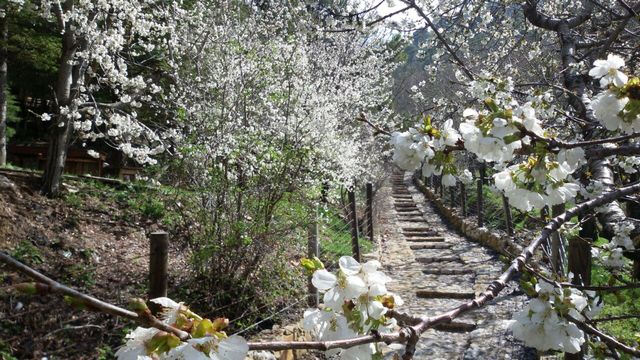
[434, 269]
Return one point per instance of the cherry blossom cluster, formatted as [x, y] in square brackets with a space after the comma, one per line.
[611, 253]
[208, 340]
[541, 180]
[427, 147]
[355, 302]
[618, 107]
[543, 324]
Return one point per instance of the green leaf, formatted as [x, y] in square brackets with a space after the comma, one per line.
[600, 241]
[311, 265]
[512, 138]
[203, 328]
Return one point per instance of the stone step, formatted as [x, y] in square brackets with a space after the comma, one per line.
[406, 209]
[443, 294]
[411, 217]
[426, 239]
[431, 260]
[416, 229]
[413, 220]
[447, 271]
[402, 196]
[421, 234]
[405, 204]
[431, 246]
[456, 326]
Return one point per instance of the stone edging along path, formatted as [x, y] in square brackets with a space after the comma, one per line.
[468, 226]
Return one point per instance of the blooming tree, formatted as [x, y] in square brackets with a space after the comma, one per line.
[104, 79]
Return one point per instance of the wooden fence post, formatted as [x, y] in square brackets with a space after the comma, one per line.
[579, 263]
[507, 215]
[324, 192]
[479, 199]
[313, 250]
[370, 211]
[158, 264]
[355, 246]
[463, 199]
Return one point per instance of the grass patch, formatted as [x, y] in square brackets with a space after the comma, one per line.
[335, 238]
[619, 303]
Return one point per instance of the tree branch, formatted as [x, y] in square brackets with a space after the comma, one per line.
[90, 302]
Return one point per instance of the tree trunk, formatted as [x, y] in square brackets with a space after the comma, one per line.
[60, 130]
[4, 37]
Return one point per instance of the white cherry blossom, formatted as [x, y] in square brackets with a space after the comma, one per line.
[608, 71]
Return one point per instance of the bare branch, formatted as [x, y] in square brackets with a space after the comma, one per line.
[89, 301]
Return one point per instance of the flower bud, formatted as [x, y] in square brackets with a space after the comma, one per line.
[138, 305]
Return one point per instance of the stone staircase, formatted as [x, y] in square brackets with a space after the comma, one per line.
[434, 269]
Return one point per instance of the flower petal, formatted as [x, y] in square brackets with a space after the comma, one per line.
[233, 348]
[165, 302]
[349, 265]
[323, 280]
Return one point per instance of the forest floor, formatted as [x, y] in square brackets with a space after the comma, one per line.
[88, 239]
[94, 238]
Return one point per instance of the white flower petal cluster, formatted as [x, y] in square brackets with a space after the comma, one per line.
[540, 324]
[622, 235]
[612, 107]
[491, 146]
[408, 153]
[611, 254]
[231, 348]
[608, 71]
[355, 303]
[630, 164]
[612, 258]
[607, 107]
[412, 147]
[554, 181]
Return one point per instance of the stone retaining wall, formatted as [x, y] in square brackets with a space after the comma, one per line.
[498, 241]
